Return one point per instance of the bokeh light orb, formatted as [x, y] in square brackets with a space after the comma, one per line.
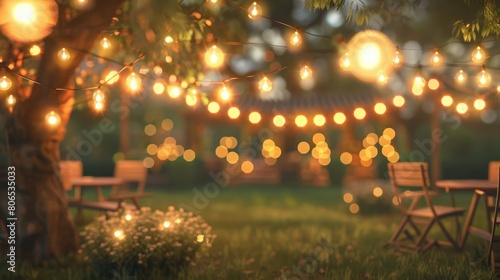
[28, 20]
[371, 52]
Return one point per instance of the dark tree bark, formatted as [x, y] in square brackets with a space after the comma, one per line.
[45, 228]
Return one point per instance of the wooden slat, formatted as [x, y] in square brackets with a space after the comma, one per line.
[70, 169]
[493, 171]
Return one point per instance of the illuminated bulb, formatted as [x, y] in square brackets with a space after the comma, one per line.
[63, 55]
[398, 101]
[169, 39]
[177, 221]
[345, 62]
[460, 77]
[254, 117]
[305, 72]
[265, 85]
[105, 43]
[447, 100]
[134, 82]
[5, 83]
[418, 85]
[295, 39]
[479, 104]
[166, 224]
[174, 91]
[478, 55]
[98, 96]
[224, 93]
[279, 120]
[213, 1]
[128, 217]
[214, 57]
[359, 113]
[233, 112]
[382, 79]
[436, 59]
[462, 108]
[53, 119]
[112, 77]
[11, 100]
[319, 120]
[398, 59]
[35, 50]
[158, 88]
[98, 106]
[380, 108]
[339, 118]
[433, 84]
[24, 13]
[254, 11]
[213, 107]
[483, 79]
[300, 120]
[191, 100]
[119, 234]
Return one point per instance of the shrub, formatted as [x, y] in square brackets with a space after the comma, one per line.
[139, 242]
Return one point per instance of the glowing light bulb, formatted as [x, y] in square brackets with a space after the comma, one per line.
[382, 79]
[380, 108]
[5, 83]
[478, 55]
[295, 39]
[479, 104]
[11, 100]
[436, 59]
[345, 62]
[169, 39]
[35, 50]
[279, 121]
[174, 91]
[213, 1]
[119, 234]
[398, 59]
[158, 87]
[339, 118]
[98, 96]
[214, 57]
[462, 108]
[53, 118]
[24, 13]
[105, 43]
[265, 85]
[254, 11]
[305, 72]
[418, 85]
[224, 93]
[134, 82]
[398, 101]
[461, 77]
[447, 101]
[98, 106]
[483, 78]
[63, 55]
[166, 224]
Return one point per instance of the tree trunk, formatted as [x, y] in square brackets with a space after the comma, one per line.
[45, 228]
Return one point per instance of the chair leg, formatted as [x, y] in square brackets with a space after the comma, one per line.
[399, 230]
[425, 232]
[448, 235]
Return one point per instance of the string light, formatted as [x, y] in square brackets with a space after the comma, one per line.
[319, 120]
[224, 93]
[398, 101]
[233, 113]
[279, 121]
[11, 100]
[174, 91]
[169, 39]
[134, 82]
[433, 84]
[380, 108]
[359, 113]
[5, 83]
[24, 13]
[213, 1]
[35, 50]
[63, 55]
[398, 59]
[295, 39]
[478, 55]
[265, 85]
[98, 96]
[214, 57]
[254, 117]
[213, 107]
[382, 79]
[305, 72]
[301, 120]
[460, 76]
[436, 59]
[53, 118]
[158, 87]
[254, 11]
[119, 234]
[345, 62]
[447, 101]
[191, 99]
[339, 118]
[105, 43]
[479, 104]
[462, 108]
[483, 78]
[418, 85]
[98, 106]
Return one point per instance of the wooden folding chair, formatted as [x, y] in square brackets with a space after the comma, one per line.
[494, 245]
[489, 202]
[134, 174]
[409, 236]
[70, 169]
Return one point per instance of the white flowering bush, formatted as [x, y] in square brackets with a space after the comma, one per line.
[141, 241]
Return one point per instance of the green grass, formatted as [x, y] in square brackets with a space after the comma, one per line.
[277, 232]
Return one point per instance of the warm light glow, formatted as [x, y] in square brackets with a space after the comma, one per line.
[436, 59]
[224, 93]
[346, 158]
[233, 112]
[214, 57]
[105, 43]
[134, 82]
[462, 108]
[359, 113]
[53, 119]
[112, 77]
[460, 77]
[433, 84]
[301, 120]
[24, 13]
[380, 108]
[35, 50]
[11, 100]
[254, 117]
[189, 155]
[369, 56]
[265, 85]
[191, 100]
[382, 79]
[177, 221]
[166, 224]
[348, 198]
[247, 167]
[418, 85]
[254, 11]
[98, 96]
[447, 100]
[398, 101]
[5, 83]
[377, 192]
[303, 147]
[128, 217]
[174, 91]
[213, 107]
[318, 138]
[169, 39]
[295, 39]
[221, 151]
[389, 132]
[319, 120]
[479, 104]
[200, 238]
[279, 120]
[483, 79]
[354, 208]
[158, 88]
[63, 55]
[345, 62]
[119, 234]
[339, 118]
[478, 55]
[398, 59]
[305, 72]
[98, 106]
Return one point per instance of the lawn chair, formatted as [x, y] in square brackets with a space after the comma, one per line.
[134, 174]
[493, 173]
[70, 169]
[493, 254]
[408, 236]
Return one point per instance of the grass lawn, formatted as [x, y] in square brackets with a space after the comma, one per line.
[277, 232]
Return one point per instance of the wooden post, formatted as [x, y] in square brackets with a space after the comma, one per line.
[435, 126]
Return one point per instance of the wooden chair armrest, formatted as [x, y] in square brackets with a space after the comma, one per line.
[480, 192]
[411, 194]
[123, 196]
